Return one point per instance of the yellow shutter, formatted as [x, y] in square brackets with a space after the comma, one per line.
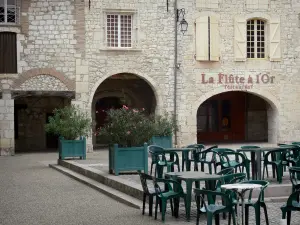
[240, 39]
[275, 50]
[202, 38]
[214, 39]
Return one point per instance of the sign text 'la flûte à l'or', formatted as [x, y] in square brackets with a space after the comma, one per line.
[237, 82]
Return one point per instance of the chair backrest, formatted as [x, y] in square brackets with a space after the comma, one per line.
[144, 177]
[294, 175]
[155, 148]
[226, 171]
[277, 155]
[249, 146]
[204, 153]
[264, 185]
[157, 153]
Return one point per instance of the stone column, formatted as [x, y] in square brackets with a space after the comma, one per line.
[7, 129]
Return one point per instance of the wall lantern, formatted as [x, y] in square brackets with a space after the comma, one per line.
[183, 23]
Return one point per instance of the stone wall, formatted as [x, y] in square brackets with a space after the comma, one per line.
[6, 125]
[281, 95]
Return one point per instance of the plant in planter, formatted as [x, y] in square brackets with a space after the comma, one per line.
[164, 127]
[127, 131]
[72, 125]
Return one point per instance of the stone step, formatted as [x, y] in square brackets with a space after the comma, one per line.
[115, 194]
[274, 192]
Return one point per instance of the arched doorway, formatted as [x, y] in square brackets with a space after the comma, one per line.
[118, 90]
[235, 116]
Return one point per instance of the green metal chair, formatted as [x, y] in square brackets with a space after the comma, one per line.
[239, 160]
[256, 204]
[163, 196]
[295, 178]
[194, 153]
[158, 156]
[274, 158]
[148, 191]
[211, 208]
[206, 156]
[292, 204]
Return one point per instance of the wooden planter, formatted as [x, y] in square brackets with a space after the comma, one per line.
[72, 148]
[163, 141]
[128, 159]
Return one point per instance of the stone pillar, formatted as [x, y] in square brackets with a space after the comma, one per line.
[273, 119]
[7, 129]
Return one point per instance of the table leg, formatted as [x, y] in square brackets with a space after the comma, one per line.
[258, 165]
[254, 167]
[243, 208]
[182, 161]
[188, 199]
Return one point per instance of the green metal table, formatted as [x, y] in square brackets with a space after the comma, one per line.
[184, 156]
[190, 177]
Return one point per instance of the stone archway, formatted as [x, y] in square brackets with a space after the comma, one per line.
[262, 113]
[127, 89]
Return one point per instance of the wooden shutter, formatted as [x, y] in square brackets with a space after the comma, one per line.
[202, 38]
[275, 49]
[214, 43]
[8, 52]
[240, 39]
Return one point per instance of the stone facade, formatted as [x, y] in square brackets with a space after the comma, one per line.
[62, 49]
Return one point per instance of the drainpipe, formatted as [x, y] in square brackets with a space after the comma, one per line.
[175, 69]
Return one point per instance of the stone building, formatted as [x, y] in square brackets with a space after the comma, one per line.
[232, 77]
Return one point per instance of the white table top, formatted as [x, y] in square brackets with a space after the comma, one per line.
[240, 186]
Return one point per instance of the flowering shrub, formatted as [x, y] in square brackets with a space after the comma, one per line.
[127, 127]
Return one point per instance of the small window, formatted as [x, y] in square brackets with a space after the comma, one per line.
[8, 11]
[8, 52]
[119, 30]
[256, 43]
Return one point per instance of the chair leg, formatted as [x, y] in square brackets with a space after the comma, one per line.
[172, 209]
[229, 218]
[144, 203]
[246, 215]
[150, 204]
[233, 217]
[163, 213]
[209, 219]
[266, 213]
[198, 217]
[289, 214]
[264, 168]
[217, 219]
[156, 204]
[257, 215]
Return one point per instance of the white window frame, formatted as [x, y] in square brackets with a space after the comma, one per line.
[255, 39]
[119, 29]
[6, 7]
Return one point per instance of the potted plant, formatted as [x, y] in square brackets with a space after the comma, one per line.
[164, 127]
[127, 131]
[72, 125]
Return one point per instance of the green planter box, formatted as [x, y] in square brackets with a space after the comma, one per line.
[163, 141]
[128, 159]
[72, 148]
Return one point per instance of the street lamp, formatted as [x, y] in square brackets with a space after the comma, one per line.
[183, 24]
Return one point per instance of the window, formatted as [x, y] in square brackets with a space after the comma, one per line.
[256, 39]
[207, 39]
[8, 52]
[119, 30]
[8, 11]
[208, 117]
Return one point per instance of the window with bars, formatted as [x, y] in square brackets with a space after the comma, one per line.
[8, 52]
[256, 35]
[119, 30]
[8, 11]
